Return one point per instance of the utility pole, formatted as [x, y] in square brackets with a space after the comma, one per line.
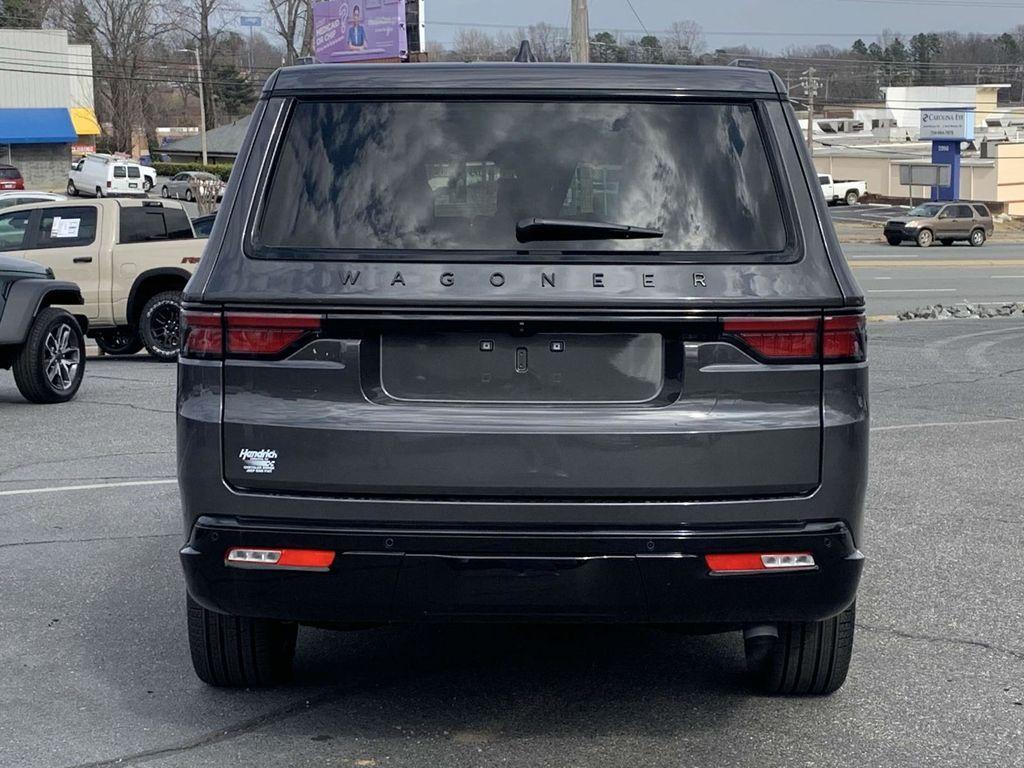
[579, 50]
[810, 86]
[202, 100]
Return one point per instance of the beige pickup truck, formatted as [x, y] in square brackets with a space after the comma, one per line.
[131, 258]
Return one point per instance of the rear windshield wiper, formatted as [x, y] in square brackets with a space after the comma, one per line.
[531, 230]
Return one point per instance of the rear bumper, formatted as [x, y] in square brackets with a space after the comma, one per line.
[417, 574]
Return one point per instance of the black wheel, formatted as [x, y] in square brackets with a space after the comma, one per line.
[99, 191]
[118, 341]
[894, 240]
[977, 237]
[925, 238]
[72, 189]
[49, 368]
[852, 197]
[239, 652]
[147, 185]
[163, 191]
[946, 241]
[159, 325]
[807, 659]
[188, 195]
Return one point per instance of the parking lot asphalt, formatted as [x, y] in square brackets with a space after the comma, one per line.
[96, 667]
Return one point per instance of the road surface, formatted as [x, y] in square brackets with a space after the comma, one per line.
[896, 279]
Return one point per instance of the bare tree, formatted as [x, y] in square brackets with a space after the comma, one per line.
[205, 24]
[122, 33]
[684, 42]
[293, 23]
[474, 45]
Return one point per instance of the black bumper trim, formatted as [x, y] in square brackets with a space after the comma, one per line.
[416, 574]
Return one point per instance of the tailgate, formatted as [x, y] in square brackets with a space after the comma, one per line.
[540, 408]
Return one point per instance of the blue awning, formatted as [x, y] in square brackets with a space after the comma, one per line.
[36, 126]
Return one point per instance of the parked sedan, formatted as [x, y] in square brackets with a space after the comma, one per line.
[180, 186]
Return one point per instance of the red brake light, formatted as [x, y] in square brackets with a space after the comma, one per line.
[777, 338]
[201, 334]
[265, 334]
[844, 339]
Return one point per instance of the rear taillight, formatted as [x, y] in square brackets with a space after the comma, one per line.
[289, 559]
[845, 339]
[265, 335]
[109, 184]
[781, 338]
[243, 334]
[835, 339]
[201, 334]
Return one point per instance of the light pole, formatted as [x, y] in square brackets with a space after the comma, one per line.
[202, 99]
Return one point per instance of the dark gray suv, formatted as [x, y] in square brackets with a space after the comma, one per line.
[523, 342]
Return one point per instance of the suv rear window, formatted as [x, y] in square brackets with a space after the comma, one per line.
[398, 176]
[981, 210]
[9, 174]
[143, 223]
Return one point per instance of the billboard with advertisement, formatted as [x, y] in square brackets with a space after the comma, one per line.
[359, 30]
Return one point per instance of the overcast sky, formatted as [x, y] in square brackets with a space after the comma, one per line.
[770, 24]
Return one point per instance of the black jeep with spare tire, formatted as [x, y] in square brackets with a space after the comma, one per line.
[42, 344]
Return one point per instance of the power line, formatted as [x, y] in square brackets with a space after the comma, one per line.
[641, 21]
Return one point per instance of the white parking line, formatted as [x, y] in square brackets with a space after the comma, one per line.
[62, 488]
[912, 290]
[865, 256]
[923, 425]
[1006, 277]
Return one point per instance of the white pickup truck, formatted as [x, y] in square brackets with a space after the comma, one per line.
[130, 257]
[848, 190]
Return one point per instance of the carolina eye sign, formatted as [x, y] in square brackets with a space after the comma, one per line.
[947, 124]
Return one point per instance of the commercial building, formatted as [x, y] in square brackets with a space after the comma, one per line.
[874, 141]
[47, 108]
[222, 144]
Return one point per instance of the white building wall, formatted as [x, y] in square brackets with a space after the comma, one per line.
[80, 64]
[34, 68]
[905, 103]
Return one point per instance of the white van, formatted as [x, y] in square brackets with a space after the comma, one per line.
[103, 175]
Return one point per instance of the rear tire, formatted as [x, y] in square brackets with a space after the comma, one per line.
[99, 191]
[188, 195]
[164, 192]
[50, 366]
[118, 341]
[977, 238]
[72, 189]
[925, 238]
[808, 659]
[238, 651]
[160, 324]
[852, 197]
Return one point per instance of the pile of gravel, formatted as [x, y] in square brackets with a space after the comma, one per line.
[941, 312]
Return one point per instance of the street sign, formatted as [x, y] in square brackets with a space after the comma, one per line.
[250, 21]
[950, 124]
[924, 174]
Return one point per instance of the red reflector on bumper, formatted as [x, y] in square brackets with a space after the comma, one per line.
[305, 559]
[746, 562]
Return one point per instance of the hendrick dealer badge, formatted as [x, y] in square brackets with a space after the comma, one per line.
[261, 462]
